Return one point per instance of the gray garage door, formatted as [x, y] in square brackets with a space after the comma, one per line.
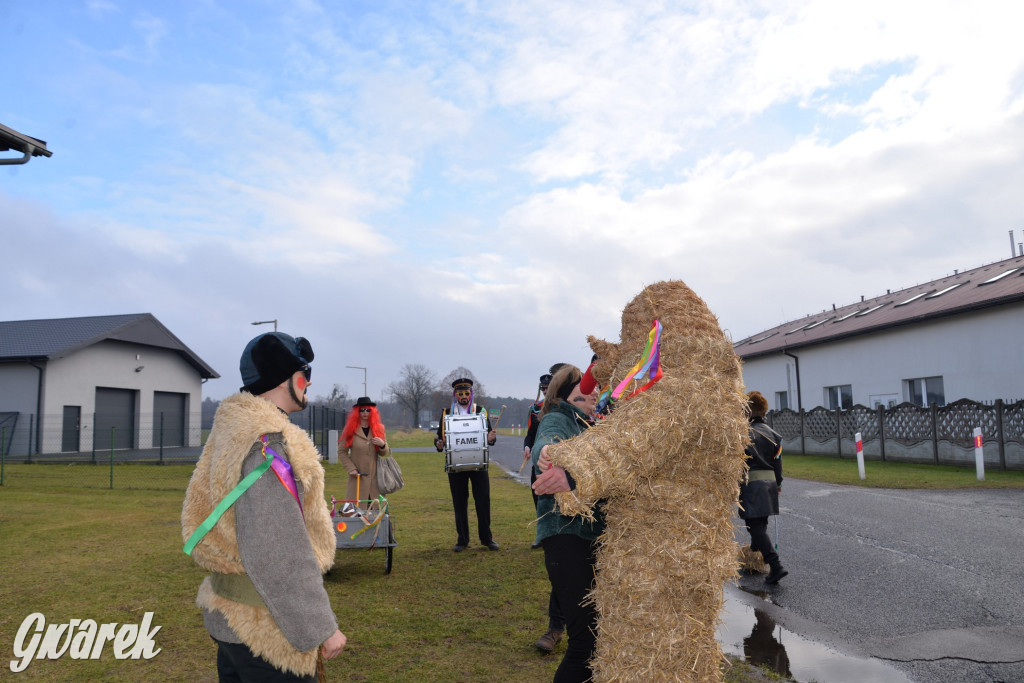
[168, 418]
[115, 418]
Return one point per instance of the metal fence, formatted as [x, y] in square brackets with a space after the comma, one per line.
[121, 447]
[909, 433]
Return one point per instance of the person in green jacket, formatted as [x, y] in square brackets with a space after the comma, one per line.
[570, 543]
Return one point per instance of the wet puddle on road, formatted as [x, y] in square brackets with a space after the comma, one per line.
[751, 633]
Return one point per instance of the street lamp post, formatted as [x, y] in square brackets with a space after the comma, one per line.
[267, 322]
[359, 367]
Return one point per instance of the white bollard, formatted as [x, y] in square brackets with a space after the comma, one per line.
[979, 454]
[332, 447]
[860, 455]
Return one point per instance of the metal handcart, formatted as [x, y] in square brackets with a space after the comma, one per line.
[359, 524]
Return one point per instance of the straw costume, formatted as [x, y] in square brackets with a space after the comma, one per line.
[667, 462]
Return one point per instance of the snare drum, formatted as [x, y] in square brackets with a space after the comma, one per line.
[465, 442]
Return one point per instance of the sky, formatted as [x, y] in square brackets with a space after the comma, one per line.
[484, 184]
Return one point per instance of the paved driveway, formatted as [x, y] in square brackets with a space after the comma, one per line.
[931, 582]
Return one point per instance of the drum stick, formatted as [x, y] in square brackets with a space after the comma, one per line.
[498, 419]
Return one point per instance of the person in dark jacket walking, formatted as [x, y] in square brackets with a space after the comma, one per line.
[759, 491]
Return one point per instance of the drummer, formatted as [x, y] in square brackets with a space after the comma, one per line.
[459, 482]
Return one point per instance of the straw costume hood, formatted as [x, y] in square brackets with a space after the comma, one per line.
[239, 423]
[667, 461]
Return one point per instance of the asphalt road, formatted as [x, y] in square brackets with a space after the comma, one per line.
[930, 582]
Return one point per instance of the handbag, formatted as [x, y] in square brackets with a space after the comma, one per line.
[389, 475]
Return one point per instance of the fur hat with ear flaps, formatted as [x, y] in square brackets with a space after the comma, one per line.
[270, 359]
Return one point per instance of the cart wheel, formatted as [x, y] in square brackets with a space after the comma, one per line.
[387, 559]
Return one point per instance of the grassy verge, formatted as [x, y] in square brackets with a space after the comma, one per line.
[422, 438]
[111, 556]
[896, 475]
[410, 438]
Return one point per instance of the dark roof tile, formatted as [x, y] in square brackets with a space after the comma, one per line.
[993, 285]
[23, 340]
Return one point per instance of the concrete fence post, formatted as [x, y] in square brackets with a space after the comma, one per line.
[332, 447]
[979, 454]
[860, 454]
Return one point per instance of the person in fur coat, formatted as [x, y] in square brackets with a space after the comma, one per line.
[264, 602]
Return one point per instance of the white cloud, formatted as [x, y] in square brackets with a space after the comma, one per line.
[485, 184]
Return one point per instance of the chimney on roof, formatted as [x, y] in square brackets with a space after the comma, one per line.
[862, 298]
[833, 307]
[1020, 248]
[1011, 245]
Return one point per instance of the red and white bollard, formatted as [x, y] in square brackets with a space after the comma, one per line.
[860, 455]
[979, 454]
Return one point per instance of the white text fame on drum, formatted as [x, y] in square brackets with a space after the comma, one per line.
[465, 442]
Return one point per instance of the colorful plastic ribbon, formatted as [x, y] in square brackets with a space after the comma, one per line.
[242, 487]
[283, 470]
[650, 362]
[383, 503]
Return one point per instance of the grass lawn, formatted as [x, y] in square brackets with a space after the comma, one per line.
[896, 475]
[422, 438]
[112, 555]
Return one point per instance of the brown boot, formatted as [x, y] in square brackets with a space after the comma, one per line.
[547, 642]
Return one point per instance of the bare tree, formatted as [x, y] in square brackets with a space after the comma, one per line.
[442, 396]
[336, 400]
[413, 389]
[445, 385]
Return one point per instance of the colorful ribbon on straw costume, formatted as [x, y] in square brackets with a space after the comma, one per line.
[649, 364]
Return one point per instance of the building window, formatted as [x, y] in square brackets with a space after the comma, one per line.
[839, 397]
[782, 400]
[924, 391]
[884, 400]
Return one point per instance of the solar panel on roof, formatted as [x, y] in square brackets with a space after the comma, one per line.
[998, 277]
[848, 315]
[914, 298]
[873, 309]
[820, 322]
[947, 289]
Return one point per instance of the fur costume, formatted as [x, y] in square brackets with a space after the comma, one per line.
[239, 422]
[667, 462]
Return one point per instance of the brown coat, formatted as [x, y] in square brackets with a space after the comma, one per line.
[362, 457]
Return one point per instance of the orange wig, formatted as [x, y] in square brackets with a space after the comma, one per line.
[376, 426]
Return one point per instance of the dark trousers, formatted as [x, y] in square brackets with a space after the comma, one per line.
[459, 483]
[570, 563]
[556, 621]
[533, 478]
[759, 541]
[236, 663]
